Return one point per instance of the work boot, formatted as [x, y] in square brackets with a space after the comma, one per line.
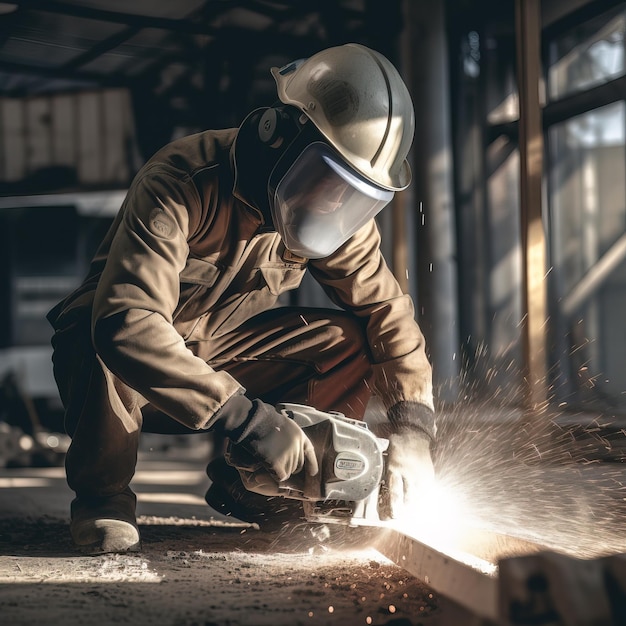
[228, 496]
[104, 525]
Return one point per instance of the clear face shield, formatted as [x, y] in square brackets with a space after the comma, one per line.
[319, 203]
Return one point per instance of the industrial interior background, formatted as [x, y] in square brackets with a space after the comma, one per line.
[512, 237]
[521, 120]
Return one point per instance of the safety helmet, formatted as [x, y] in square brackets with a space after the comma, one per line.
[345, 156]
[360, 104]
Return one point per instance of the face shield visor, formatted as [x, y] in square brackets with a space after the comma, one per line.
[318, 202]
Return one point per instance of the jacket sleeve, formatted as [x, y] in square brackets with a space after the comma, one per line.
[357, 278]
[132, 321]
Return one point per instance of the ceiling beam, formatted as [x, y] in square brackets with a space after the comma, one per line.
[11, 67]
[130, 19]
[101, 48]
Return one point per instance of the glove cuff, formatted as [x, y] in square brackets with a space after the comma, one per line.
[260, 421]
[234, 416]
[412, 416]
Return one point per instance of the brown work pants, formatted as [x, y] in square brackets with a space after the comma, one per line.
[310, 356]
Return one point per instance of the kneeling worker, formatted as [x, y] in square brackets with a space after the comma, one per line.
[176, 326]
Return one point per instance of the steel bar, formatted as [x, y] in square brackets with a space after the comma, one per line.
[502, 579]
[467, 575]
[465, 585]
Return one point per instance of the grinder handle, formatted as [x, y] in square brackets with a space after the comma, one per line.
[255, 476]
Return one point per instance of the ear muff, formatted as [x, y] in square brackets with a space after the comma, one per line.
[277, 125]
[269, 127]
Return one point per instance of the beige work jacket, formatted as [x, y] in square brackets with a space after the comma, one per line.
[186, 259]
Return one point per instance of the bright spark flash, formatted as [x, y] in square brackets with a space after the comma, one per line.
[499, 474]
[534, 480]
[439, 518]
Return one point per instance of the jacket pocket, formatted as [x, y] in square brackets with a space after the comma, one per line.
[196, 279]
[199, 272]
[279, 278]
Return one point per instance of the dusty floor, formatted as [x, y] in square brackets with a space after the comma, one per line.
[196, 567]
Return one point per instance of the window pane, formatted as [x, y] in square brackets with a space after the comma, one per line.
[588, 250]
[586, 56]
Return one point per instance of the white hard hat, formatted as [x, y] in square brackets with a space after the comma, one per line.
[360, 104]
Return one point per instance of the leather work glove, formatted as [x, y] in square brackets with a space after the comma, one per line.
[272, 438]
[410, 470]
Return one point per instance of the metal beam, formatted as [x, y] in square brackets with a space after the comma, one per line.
[595, 277]
[584, 101]
[11, 67]
[501, 579]
[470, 588]
[60, 73]
[130, 19]
[466, 574]
[101, 48]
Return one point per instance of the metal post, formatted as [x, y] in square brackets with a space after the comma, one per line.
[528, 30]
[433, 203]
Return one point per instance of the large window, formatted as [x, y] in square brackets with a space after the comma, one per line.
[587, 55]
[586, 130]
[584, 118]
